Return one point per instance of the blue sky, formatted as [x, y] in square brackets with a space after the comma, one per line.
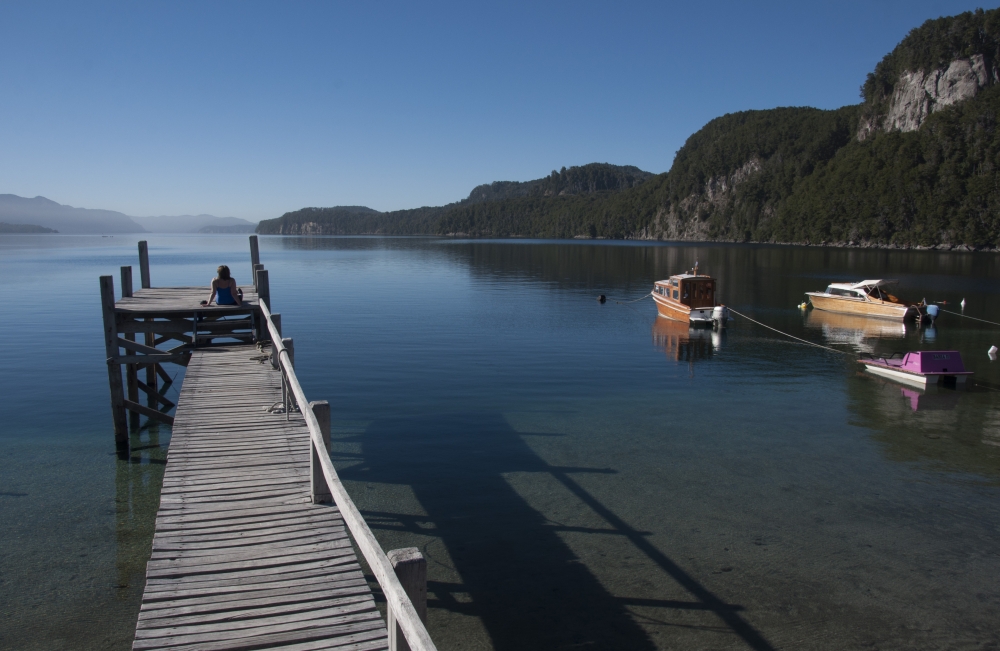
[253, 109]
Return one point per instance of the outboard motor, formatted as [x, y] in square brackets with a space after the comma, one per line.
[932, 313]
[720, 314]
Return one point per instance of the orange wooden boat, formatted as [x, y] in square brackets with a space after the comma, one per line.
[690, 298]
[866, 298]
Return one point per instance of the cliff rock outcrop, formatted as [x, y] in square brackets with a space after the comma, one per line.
[917, 94]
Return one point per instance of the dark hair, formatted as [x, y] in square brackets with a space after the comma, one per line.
[223, 272]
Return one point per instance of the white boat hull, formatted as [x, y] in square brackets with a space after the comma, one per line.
[911, 378]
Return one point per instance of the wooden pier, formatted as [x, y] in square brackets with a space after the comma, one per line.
[253, 543]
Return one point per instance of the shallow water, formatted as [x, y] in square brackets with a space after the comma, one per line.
[577, 474]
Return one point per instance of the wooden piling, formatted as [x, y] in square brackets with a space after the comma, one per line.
[257, 267]
[276, 320]
[114, 370]
[286, 394]
[144, 264]
[131, 370]
[320, 491]
[149, 338]
[263, 296]
[411, 569]
[127, 282]
[254, 255]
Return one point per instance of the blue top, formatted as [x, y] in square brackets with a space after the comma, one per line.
[224, 296]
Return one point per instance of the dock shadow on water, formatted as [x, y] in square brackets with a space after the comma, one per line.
[504, 563]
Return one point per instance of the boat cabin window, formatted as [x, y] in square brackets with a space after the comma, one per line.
[837, 291]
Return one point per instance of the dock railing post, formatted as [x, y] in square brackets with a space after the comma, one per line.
[144, 264]
[286, 392]
[320, 491]
[131, 370]
[114, 370]
[276, 320]
[254, 255]
[411, 570]
[257, 267]
[263, 296]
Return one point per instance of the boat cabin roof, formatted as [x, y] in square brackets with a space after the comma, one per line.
[686, 277]
[870, 284]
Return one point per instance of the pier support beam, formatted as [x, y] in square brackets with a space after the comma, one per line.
[276, 320]
[254, 256]
[131, 370]
[411, 570]
[149, 338]
[286, 394]
[114, 370]
[263, 296]
[320, 491]
[257, 267]
[144, 264]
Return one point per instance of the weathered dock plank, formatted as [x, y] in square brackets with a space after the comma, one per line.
[183, 300]
[242, 558]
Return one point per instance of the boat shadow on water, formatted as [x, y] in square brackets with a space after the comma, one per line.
[494, 556]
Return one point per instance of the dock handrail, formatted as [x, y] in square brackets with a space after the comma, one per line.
[398, 602]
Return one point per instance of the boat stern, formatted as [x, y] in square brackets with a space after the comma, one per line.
[702, 316]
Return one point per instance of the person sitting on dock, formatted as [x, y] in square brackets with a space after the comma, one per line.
[224, 289]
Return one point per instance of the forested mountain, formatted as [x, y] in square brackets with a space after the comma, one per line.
[586, 179]
[916, 164]
[594, 179]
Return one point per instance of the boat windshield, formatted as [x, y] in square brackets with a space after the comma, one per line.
[837, 291]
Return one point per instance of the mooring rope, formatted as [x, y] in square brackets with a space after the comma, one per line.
[970, 317]
[635, 301]
[788, 335]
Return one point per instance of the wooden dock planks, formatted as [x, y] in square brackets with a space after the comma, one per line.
[182, 300]
[241, 557]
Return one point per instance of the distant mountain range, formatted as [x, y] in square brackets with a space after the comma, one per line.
[20, 213]
[916, 164]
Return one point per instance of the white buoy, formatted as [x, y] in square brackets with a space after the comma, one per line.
[992, 352]
[962, 303]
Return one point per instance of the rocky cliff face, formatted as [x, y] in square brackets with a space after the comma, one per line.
[918, 94]
[717, 188]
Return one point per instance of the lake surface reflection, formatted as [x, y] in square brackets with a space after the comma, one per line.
[577, 474]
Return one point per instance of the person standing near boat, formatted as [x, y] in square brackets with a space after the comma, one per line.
[224, 289]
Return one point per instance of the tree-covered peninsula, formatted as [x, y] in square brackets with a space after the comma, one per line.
[916, 164]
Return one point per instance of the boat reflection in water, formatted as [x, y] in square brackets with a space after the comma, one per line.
[684, 343]
[932, 398]
[858, 332]
[950, 429]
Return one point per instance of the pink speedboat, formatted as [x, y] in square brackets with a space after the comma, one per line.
[920, 368]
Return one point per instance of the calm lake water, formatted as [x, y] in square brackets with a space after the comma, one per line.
[578, 475]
